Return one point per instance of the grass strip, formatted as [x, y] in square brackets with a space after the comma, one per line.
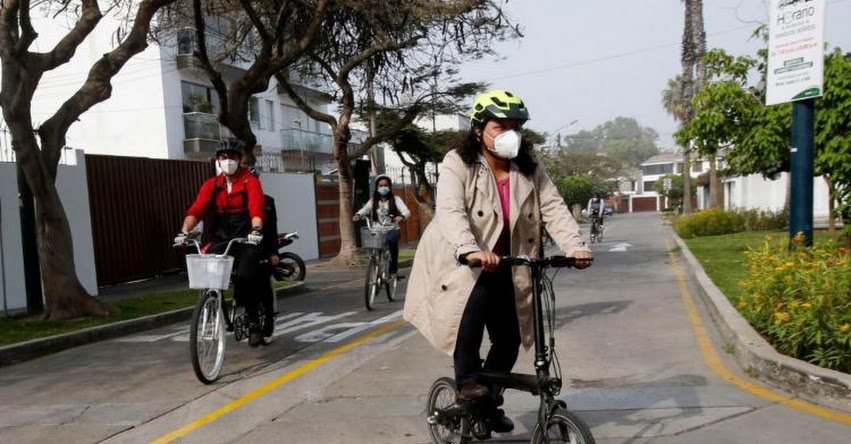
[20, 328]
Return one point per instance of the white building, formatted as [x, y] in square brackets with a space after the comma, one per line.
[397, 170]
[163, 106]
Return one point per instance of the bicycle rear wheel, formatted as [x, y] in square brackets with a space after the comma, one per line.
[389, 283]
[371, 284]
[207, 337]
[443, 428]
[563, 427]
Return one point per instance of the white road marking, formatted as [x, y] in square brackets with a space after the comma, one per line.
[620, 247]
[287, 323]
[349, 329]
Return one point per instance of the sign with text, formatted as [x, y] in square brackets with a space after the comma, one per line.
[795, 50]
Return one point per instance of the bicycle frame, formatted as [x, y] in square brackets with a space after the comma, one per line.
[541, 383]
[466, 419]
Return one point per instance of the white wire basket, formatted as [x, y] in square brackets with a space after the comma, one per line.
[208, 271]
[374, 238]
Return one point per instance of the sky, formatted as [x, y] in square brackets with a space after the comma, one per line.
[592, 61]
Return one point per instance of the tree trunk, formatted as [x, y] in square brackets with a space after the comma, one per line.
[348, 254]
[64, 295]
[716, 199]
[831, 220]
[686, 181]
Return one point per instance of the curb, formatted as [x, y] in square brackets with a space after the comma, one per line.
[758, 357]
[35, 348]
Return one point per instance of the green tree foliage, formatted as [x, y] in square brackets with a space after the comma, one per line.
[730, 114]
[575, 189]
[578, 175]
[833, 127]
[623, 138]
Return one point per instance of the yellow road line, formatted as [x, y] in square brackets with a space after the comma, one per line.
[273, 384]
[710, 356]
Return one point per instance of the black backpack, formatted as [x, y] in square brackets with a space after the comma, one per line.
[270, 225]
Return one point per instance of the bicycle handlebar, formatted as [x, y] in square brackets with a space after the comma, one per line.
[547, 262]
[190, 240]
[375, 226]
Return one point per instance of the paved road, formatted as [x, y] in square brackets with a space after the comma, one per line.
[336, 373]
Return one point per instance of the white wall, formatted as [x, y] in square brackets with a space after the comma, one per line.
[754, 191]
[295, 200]
[74, 192]
[12, 290]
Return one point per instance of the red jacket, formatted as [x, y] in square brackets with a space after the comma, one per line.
[235, 209]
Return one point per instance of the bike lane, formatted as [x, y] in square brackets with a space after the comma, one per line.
[633, 369]
[633, 363]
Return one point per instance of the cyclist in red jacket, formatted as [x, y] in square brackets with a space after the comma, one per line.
[236, 198]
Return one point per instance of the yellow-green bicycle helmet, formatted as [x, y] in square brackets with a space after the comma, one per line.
[497, 104]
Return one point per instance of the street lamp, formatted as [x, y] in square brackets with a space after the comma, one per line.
[558, 135]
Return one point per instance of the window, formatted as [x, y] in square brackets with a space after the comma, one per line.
[270, 118]
[665, 168]
[254, 112]
[649, 186]
[199, 98]
[697, 167]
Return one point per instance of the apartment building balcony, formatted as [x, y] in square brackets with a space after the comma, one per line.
[202, 132]
[228, 58]
[294, 139]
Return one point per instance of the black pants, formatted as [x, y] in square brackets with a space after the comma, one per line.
[393, 244]
[252, 283]
[491, 305]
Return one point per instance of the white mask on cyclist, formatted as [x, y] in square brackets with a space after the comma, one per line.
[228, 166]
[506, 145]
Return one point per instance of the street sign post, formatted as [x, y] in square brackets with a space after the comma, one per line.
[796, 74]
[795, 50]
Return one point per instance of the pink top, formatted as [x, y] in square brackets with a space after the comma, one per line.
[503, 244]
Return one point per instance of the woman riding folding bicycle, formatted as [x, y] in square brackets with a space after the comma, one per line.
[493, 201]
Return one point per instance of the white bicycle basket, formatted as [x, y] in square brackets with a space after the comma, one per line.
[208, 271]
[375, 238]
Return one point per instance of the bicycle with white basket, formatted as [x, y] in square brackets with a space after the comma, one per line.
[214, 314]
[374, 239]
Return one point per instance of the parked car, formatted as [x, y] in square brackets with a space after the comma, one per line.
[607, 210]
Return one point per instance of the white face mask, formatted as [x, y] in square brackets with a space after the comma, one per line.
[228, 166]
[506, 145]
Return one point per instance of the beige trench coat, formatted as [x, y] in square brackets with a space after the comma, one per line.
[468, 219]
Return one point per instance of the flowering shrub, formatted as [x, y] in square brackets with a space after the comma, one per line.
[715, 221]
[799, 299]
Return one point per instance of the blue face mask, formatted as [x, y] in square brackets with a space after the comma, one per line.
[383, 191]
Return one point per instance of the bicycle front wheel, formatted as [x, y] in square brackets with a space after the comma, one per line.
[443, 428]
[207, 337]
[563, 427]
[371, 285]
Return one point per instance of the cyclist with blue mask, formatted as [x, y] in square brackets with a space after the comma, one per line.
[387, 210]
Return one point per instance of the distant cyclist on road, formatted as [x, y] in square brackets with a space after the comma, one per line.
[595, 207]
[388, 210]
[235, 196]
